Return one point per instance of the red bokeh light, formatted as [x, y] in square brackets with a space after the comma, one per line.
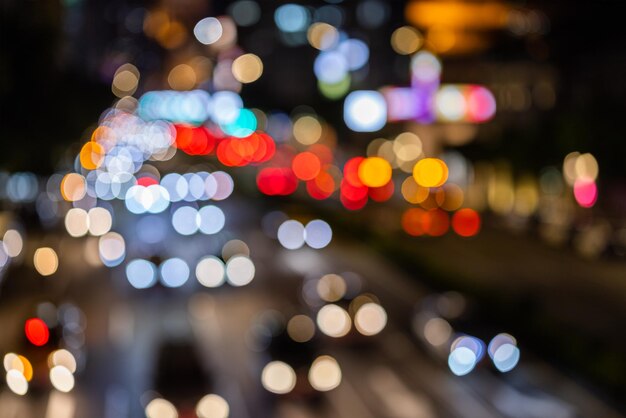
[37, 331]
[351, 171]
[352, 204]
[466, 222]
[324, 153]
[255, 148]
[146, 181]
[436, 222]
[321, 187]
[352, 192]
[417, 221]
[382, 194]
[274, 181]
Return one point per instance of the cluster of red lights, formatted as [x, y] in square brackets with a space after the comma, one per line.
[436, 222]
[195, 140]
[255, 148]
[291, 167]
[353, 194]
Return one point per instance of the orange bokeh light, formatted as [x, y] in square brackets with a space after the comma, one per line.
[91, 155]
[412, 221]
[417, 221]
[306, 165]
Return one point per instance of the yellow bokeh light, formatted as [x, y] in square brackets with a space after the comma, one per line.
[526, 197]
[406, 40]
[125, 80]
[46, 261]
[322, 36]
[374, 146]
[586, 167]
[154, 20]
[19, 363]
[91, 155]
[569, 167]
[182, 77]
[430, 172]
[334, 321]
[12, 362]
[413, 192]
[212, 406]
[171, 35]
[375, 172]
[307, 130]
[331, 287]
[63, 358]
[278, 377]
[73, 187]
[161, 408]
[27, 368]
[77, 222]
[407, 147]
[370, 319]
[325, 374]
[449, 197]
[247, 68]
[441, 38]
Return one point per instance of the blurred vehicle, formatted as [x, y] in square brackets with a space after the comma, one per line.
[179, 375]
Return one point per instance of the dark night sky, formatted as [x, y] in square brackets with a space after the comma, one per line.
[51, 89]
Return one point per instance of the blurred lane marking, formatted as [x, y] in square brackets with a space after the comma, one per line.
[436, 381]
[347, 402]
[60, 405]
[293, 410]
[398, 399]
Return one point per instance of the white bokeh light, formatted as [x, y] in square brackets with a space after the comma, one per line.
[318, 234]
[240, 270]
[291, 234]
[210, 272]
[208, 30]
[365, 111]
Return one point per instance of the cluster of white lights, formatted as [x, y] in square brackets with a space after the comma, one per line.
[466, 352]
[333, 65]
[174, 187]
[97, 221]
[280, 378]
[19, 370]
[210, 406]
[293, 235]
[209, 220]
[334, 321]
[210, 271]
